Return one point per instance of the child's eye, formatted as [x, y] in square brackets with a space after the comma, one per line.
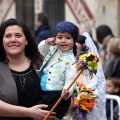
[59, 37]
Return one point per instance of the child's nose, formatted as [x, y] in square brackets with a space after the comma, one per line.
[63, 40]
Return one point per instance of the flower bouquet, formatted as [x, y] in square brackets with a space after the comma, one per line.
[87, 62]
[84, 102]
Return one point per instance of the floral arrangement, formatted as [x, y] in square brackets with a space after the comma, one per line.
[84, 97]
[84, 102]
[88, 62]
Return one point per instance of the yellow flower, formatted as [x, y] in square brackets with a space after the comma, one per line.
[83, 58]
[96, 59]
[92, 65]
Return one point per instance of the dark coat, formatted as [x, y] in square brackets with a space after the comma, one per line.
[112, 67]
[43, 32]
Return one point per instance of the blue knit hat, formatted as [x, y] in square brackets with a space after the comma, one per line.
[69, 27]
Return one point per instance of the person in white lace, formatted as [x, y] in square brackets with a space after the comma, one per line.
[98, 83]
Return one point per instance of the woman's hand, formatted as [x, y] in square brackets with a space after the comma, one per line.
[37, 113]
[50, 41]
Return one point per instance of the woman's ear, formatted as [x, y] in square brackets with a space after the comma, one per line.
[26, 43]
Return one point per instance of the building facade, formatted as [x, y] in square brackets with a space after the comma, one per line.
[87, 14]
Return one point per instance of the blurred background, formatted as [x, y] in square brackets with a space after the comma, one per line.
[100, 18]
[87, 14]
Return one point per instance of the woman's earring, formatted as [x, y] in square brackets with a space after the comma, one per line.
[26, 43]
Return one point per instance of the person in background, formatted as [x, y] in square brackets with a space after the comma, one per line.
[112, 66]
[112, 88]
[42, 28]
[58, 69]
[103, 35]
[103, 32]
[19, 82]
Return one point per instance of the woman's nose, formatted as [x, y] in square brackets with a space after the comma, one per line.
[13, 38]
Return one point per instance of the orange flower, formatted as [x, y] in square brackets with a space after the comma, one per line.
[83, 87]
[85, 102]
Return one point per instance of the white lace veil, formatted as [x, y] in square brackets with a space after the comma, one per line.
[98, 83]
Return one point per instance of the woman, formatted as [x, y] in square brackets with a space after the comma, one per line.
[98, 83]
[19, 83]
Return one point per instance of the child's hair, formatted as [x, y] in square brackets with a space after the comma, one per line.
[114, 46]
[116, 82]
[69, 27]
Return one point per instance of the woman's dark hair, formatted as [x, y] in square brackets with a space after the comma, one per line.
[102, 31]
[81, 40]
[74, 49]
[31, 50]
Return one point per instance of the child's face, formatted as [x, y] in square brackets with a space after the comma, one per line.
[110, 88]
[64, 41]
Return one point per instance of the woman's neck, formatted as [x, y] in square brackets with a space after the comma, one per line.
[18, 63]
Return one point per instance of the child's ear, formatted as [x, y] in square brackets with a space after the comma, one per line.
[55, 39]
[116, 90]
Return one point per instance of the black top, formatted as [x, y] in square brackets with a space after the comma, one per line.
[28, 87]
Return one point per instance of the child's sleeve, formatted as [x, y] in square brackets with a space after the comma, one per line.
[43, 48]
[70, 75]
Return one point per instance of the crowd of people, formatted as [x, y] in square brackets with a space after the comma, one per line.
[34, 73]
[110, 57]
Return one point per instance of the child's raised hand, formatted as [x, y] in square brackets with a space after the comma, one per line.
[65, 94]
[50, 41]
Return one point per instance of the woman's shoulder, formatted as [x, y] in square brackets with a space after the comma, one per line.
[2, 65]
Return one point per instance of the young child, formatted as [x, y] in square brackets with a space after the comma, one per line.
[113, 88]
[58, 69]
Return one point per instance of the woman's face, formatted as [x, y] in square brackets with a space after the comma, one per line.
[14, 40]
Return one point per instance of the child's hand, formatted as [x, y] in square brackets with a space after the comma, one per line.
[65, 94]
[50, 41]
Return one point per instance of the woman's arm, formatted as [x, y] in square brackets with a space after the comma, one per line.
[35, 112]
